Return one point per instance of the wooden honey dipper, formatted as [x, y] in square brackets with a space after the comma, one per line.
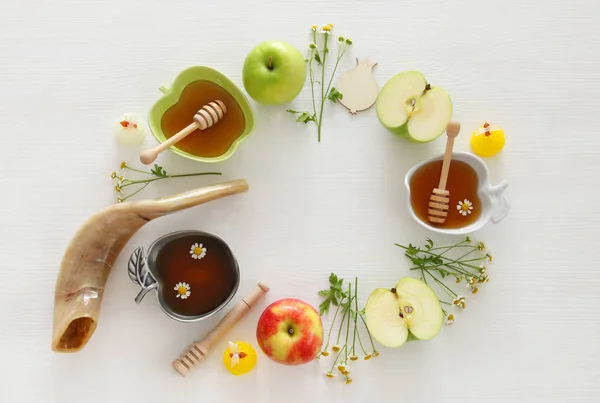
[439, 201]
[206, 117]
[197, 351]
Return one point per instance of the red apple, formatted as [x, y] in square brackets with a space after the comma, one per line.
[290, 332]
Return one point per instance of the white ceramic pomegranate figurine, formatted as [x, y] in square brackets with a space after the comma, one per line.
[358, 87]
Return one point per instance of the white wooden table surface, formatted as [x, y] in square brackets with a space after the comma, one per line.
[69, 68]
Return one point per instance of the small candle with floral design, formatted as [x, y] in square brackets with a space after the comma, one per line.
[239, 358]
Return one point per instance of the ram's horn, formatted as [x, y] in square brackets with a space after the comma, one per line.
[93, 250]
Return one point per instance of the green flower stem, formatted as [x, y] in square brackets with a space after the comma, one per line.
[323, 61]
[342, 324]
[133, 182]
[337, 358]
[369, 333]
[456, 245]
[454, 270]
[136, 192]
[137, 170]
[440, 256]
[334, 70]
[448, 290]
[348, 324]
[356, 314]
[312, 75]
[331, 328]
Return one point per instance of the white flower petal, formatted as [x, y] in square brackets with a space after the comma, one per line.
[194, 256]
[458, 207]
[188, 293]
[233, 347]
[466, 201]
[177, 296]
[468, 211]
[235, 360]
[470, 207]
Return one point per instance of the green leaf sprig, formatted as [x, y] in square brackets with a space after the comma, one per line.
[434, 264]
[317, 60]
[122, 183]
[346, 300]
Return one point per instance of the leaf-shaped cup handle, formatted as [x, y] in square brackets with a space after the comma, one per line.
[140, 274]
[501, 202]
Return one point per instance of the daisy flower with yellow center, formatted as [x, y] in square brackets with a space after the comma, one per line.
[464, 207]
[183, 290]
[197, 251]
[326, 29]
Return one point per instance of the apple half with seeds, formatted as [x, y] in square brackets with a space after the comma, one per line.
[408, 106]
[408, 312]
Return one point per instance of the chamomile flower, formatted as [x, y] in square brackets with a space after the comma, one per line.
[450, 319]
[464, 207]
[183, 290]
[329, 374]
[198, 251]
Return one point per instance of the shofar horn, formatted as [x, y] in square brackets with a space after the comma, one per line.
[93, 250]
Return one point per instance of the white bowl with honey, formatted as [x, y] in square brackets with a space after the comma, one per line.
[474, 201]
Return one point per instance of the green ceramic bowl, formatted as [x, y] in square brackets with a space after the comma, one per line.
[171, 97]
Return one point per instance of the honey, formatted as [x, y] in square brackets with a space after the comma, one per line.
[215, 140]
[465, 205]
[201, 265]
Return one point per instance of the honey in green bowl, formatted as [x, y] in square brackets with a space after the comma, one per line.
[192, 89]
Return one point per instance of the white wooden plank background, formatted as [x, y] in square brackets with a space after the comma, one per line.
[69, 68]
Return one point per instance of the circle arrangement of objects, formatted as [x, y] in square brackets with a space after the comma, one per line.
[487, 140]
[239, 358]
[130, 130]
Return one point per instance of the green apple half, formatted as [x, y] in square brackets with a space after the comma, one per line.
[409, 311]
[408, 106]
[274, 72]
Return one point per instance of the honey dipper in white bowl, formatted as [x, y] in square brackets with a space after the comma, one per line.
[439, 201]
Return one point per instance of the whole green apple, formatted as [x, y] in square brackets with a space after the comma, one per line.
[274, 72]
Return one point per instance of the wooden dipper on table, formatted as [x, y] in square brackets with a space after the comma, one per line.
[198, 350]
[206, 117]
[439, 201]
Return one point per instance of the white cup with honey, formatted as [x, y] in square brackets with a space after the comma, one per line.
[474, 201]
